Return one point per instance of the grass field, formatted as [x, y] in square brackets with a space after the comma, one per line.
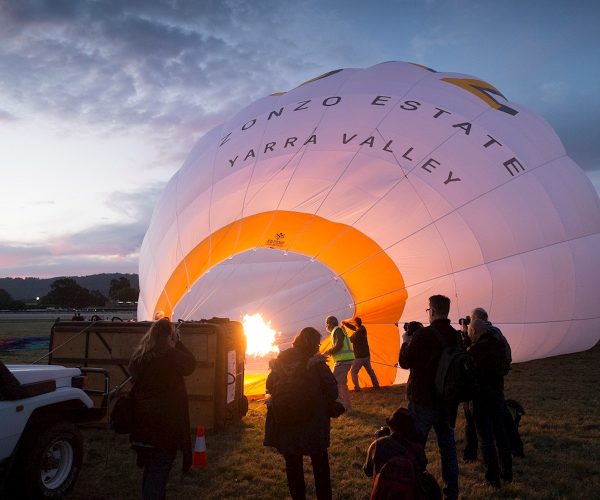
[561, 432]
[12, 328]
[25, 327]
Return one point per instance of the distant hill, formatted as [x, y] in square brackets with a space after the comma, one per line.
[27, 289]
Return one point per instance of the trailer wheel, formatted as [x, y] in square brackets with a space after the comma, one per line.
[52, 464]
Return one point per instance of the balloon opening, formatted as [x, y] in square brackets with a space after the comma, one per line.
[291, 291]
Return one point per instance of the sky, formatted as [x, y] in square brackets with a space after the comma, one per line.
[102, 100]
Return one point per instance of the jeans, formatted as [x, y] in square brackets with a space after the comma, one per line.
[489, 420]
[472, 442]
[294, 469]
[157, 466]
[357, 364]
[442, 420]
[340, 372]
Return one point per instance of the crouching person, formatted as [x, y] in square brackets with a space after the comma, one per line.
[397, 463]
[161, 421]
[300, 390]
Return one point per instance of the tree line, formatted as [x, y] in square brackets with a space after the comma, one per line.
[66, 293]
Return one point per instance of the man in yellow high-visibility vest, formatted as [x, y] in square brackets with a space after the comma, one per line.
[341, 352]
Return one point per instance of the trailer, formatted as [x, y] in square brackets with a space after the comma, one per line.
[215, 388]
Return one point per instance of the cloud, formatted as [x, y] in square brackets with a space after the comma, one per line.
[136, 205]
[423, 44]
[42, 203]
[111, 248]
[573, 114]
[581, 142]
[102, 248]
[161, 64]
[168, 71]
[110, 239]
[120, 240]
[554, 92]
[70, 266]
[5, 116]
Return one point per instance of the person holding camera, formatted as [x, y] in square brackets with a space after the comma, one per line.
[420, 352]
[362, 354]
[399, 438]
[161, 421]
[411, 327]
[488, 406]
[479, 313]
[396, 461]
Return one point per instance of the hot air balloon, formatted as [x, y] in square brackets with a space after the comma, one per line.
[363, 192]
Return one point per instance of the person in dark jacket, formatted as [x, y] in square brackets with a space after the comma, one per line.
[308, 436]
[403, 439]
[471, 443]
[420, 352]
[488, 407]
[161, 422]
[362, 354]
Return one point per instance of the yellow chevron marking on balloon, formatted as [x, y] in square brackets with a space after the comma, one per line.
[482, 90]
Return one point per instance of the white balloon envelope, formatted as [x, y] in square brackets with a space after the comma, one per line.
[363, 192]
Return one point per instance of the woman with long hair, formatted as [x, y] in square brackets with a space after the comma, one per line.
[161, 423]
[301, 389]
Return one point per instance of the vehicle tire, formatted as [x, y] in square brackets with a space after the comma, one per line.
[52, 463]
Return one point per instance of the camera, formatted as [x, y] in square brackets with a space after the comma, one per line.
[412, 326]
[382, 431]
[464, 321]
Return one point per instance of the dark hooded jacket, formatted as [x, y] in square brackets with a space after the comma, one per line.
[498, 335]
[384, 448]
[488, 353]
[312, 436]
[160, 404]
[421, 355]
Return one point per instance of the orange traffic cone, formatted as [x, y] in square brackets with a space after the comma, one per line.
[200, 459]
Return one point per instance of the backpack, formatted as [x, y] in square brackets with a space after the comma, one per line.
[455, 379]
[497, 334]
[291, 401]
[400, 478]
[121, 416]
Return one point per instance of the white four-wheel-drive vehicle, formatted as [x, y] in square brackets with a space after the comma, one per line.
[41, 447]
